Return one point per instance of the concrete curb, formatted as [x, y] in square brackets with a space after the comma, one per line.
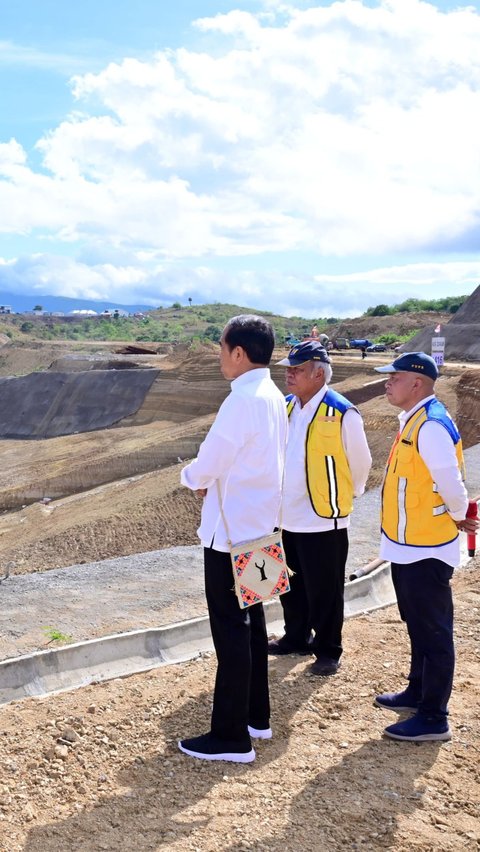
[123, 654]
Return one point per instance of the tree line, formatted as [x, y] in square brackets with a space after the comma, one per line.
[448, 305]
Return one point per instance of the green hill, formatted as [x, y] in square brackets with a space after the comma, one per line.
[168, 325]
[191, 323]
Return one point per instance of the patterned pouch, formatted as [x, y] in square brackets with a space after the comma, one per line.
[260, 571]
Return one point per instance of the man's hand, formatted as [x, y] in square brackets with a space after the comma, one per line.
[201, 492]
[468, 525]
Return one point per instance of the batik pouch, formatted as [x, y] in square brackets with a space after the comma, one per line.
[260, 571]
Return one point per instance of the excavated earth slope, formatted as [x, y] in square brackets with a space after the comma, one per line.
[115, 492]
[461, 333]
[468, 418]
[46, 405]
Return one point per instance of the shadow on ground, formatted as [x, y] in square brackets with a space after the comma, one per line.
[168, 798]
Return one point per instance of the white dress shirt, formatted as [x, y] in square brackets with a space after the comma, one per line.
[437, 450]
[297, 512]
[244, 452]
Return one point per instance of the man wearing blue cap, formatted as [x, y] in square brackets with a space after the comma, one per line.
[327, 464]
[424, 505]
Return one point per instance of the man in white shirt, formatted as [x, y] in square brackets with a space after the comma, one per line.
[424, 505]
[242, 457]
[326, 466]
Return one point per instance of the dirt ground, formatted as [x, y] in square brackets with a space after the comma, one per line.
[99, 769]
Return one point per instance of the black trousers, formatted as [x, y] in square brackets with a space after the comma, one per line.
[425, 603]
[316, 599]
[241, 696]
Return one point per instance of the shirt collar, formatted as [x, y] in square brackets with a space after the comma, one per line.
[314, 402]
[405, 415]
[255, 375]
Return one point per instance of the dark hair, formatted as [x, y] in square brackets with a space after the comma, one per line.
[254, 334]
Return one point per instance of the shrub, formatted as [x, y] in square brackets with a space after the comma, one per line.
[213, 332]
[380, 311]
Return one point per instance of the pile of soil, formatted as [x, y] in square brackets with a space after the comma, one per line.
[462, 341]
[397, 324]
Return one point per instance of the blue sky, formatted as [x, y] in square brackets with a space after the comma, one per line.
[311, 158]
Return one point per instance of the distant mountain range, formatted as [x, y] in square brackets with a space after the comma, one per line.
[26, 302]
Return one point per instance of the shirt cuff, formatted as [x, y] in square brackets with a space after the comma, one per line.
[457, 516]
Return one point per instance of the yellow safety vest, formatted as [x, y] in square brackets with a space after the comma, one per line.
[329, 481]
[413, 511]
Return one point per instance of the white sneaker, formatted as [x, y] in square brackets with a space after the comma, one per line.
[260, 733]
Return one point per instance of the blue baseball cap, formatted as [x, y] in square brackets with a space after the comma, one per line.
[412, 362]
[309, 350]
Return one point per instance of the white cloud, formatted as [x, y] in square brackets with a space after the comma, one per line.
[11, 155]
[147, 282]
[339, 129]
[62, 276]
[464, 273]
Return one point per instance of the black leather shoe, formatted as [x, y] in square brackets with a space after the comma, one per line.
[324, 668]
[278, 647]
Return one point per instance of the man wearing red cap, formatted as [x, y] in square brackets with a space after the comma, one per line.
[327, 465]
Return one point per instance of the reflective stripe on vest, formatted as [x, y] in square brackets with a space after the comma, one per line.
[413, 511]
[328, 477]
